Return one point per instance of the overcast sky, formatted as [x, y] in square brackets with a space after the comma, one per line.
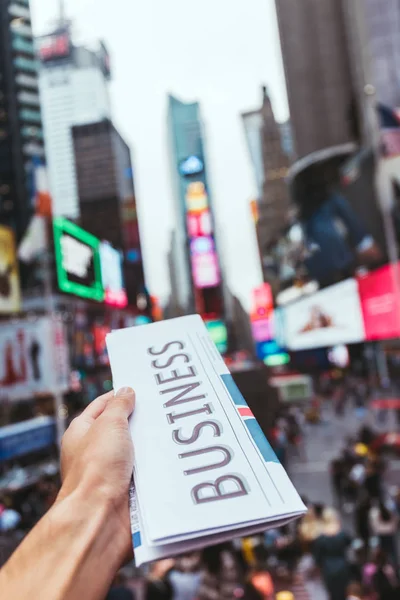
[216, 51]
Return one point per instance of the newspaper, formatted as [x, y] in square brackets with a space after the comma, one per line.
[204, 471]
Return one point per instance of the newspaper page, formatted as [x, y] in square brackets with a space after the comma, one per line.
[204, 471]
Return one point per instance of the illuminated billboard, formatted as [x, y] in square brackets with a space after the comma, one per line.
[10, 295]
[199, 224]
[330, 317]
[77, 260]
[196, 197]
[193, 165]
[218, 333]
[112, 277]
[54, 47]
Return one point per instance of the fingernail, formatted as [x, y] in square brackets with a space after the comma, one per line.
[125, 391]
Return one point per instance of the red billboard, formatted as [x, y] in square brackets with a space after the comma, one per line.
[54, 47]
[380, 303]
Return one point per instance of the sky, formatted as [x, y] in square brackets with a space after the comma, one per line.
[218, 52]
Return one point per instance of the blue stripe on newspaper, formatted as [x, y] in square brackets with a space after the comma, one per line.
[137, 540]
[249, 420]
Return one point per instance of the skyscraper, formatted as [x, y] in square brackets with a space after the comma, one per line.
[318, 73]
[107, 203]
[195, 228]
[325, 47]
[21, 134]
[269, 144]
[74, 91]
[383, 26]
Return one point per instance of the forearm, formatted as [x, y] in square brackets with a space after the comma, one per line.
[72, 553]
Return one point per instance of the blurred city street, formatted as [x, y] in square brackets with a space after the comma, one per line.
[200, 300]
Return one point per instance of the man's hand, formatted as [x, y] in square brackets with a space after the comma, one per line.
[97, 457]
[79, 545]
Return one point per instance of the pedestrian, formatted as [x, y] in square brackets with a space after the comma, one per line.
[361, 518]
[330, 554]
[355, 591]
[185, 577]
[373, 479]
[380, 579]
[337, 479]
[384, 523]
[120, 590]
[222, 577]
[158, 582]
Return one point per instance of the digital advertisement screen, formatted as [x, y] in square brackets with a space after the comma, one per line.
[53, 47]
[196, 197]
[219, 334]
[330, 317]
[10, 294]
[192, 165]
[380, 304]
[199, 224]
[77, 260]
[205, 270]
[112, 277]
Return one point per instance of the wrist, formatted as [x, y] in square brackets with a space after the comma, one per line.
[103, 519]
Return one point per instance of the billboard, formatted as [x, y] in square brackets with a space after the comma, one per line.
[196, 197]
[219, 334]
[261, 313]
[380, 304]
[205, 270]
[77, 260]
[330, 317]
[10, 294]
[112, 277]
[192, 165]
[54, 47]
[26, 437]
[33, 358]
[199, 224]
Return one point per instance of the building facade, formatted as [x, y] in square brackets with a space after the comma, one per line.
[74, 91]
[383, 24]
[199, 260]
[107, 203]
[340, 218]
[21, 132]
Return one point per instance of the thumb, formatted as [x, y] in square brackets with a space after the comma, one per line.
[122, 404]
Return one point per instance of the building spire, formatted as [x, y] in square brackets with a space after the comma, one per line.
[63, 18]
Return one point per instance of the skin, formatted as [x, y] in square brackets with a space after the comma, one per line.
[76, 549]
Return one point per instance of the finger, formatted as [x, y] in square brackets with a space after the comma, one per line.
[81, 425]
[95, 408]
[122, 404]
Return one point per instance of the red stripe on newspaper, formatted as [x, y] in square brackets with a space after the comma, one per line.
[244, 411]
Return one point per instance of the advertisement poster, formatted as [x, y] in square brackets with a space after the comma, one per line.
[33, 358]
[10, 295]
[112, 277]
[330, 317]
[380, 304]
[77, 260]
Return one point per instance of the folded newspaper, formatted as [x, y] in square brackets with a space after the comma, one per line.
[204, 472]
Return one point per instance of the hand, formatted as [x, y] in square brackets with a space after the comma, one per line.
[97, 460]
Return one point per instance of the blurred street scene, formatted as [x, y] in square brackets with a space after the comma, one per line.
[276, 218]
